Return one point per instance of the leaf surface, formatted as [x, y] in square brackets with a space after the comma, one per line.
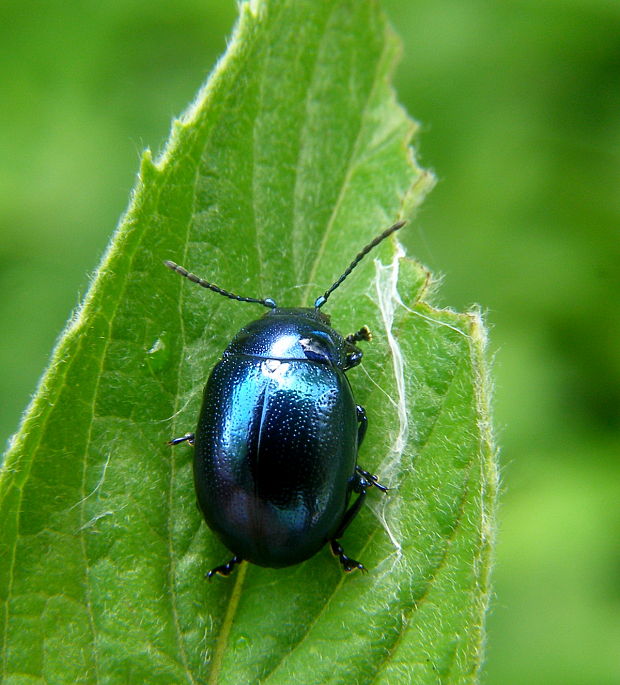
[292, 157]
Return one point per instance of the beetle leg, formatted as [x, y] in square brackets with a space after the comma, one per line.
[189, 437]
[362, 480]
[363, 334]
[351, 513]
[363, 424]
[348, 564]
[225, 569]
[370, 479]
[353, 353]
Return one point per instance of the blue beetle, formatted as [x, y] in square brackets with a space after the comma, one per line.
[275, 449]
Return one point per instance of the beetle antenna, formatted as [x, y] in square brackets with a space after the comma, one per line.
[267, 302]
[320, 301]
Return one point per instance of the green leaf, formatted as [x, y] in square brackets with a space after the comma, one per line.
[293, 156]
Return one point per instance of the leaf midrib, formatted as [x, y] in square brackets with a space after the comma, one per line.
[349, 170]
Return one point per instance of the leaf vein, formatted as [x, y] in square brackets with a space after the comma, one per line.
[349, 171]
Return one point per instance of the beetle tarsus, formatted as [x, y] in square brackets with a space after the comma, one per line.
[348, 564]
[224, 569]
[370, 480]
[188, 437]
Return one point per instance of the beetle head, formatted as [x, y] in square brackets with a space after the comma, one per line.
[295, 334]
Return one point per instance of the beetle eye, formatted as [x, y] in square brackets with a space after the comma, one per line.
[314, 350]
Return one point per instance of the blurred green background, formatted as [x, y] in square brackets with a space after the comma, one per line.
[519, 104]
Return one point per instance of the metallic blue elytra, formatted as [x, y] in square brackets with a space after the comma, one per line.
[275, 458]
